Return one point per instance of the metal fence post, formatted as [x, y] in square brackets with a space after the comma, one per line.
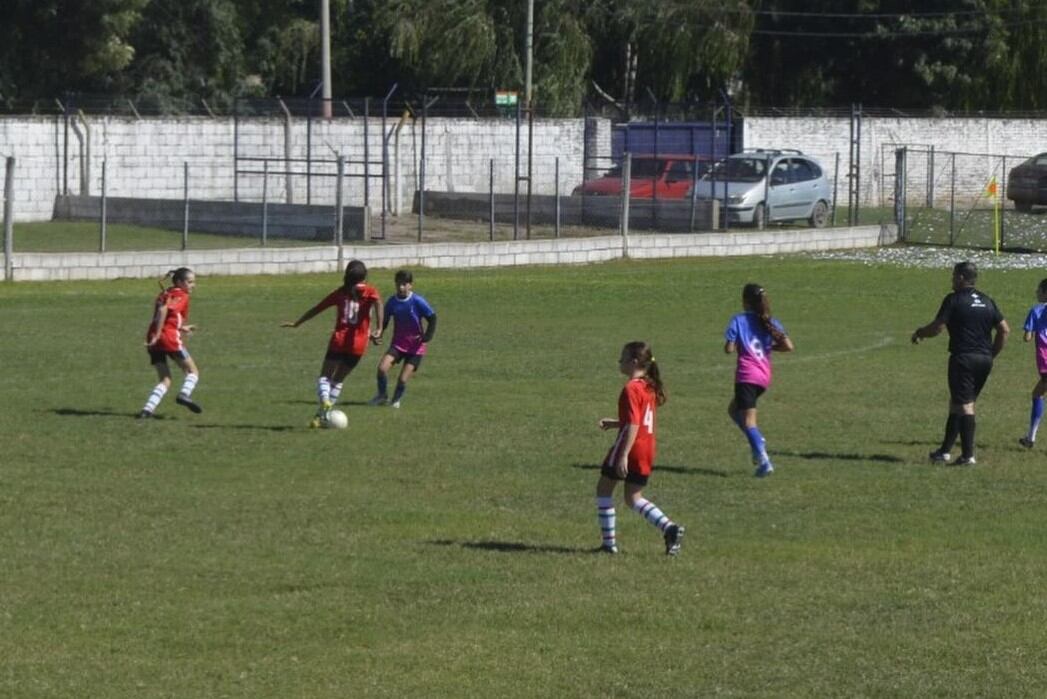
[556, 193]
[627, 171]
[930, 178]
[899, 193]
[339, 213]
[952, 203]
[101, 230]
[1002, 197]
[490, 230]
[265, 201]
[9, 218]
[185, 207]
[836, 188]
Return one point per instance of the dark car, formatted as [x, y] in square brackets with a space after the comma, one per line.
[1027, 183]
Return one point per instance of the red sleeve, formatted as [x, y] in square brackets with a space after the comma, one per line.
[178, 302]
[371, 293]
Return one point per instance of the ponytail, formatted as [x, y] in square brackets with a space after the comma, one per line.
[641, 353]
[355, 272]
[754, 296]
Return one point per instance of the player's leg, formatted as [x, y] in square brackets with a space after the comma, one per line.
[952, 422]
[605, 513]
[976, 374]
[192, 377]
[1036, 413]
[163, 373]
[671, 532]
[382, 379]
[328, 369]
[410, 366]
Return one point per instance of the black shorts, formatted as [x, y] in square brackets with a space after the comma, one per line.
[634, 478]
[967, 376]
[160, 356]
[413, 359]
[350, 360]
[745, 395]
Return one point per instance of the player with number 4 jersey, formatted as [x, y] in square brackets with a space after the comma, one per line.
[631, 457]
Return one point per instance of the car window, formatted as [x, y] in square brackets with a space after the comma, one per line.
[800, 170]
[738, 169]
[1040, 160]
[780, 173]
[679, 170]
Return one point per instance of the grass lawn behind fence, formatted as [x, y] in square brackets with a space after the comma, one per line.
[444, 549]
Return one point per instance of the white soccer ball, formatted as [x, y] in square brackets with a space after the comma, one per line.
[337, 419]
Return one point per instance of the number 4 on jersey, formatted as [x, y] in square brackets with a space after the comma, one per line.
[648, 420]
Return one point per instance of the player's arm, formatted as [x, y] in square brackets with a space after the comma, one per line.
[308, 315]
[932, 329]
[1002, 331]
[621, 466]
[1028, 336]
[784, 343]
[609, 423]
[730, 347]
[430, 328]
[378, 313]
[161, 317]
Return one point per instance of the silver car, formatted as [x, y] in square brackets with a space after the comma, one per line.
[770, 185]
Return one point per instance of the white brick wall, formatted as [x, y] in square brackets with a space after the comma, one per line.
[66, 266]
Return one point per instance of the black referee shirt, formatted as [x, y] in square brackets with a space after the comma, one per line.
[970, 317]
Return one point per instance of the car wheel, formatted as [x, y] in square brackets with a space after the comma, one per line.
[820, 215]
[760, 216]
[1023, 206]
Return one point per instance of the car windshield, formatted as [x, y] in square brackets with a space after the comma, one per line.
[738, 170]
[642, 167]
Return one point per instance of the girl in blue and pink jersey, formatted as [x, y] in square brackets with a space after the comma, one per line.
[411, 312]
[753, 334]
[1036, 327]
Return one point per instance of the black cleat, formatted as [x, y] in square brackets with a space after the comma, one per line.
[965, 461]
[673, 540]
[1026, 442]
[143, 415]
[189, 403]
[608, 549]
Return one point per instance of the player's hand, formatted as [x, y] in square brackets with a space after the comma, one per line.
[289, 324]
[621, 467]
[188, 330]
[915, 337]
[152, 340]
[376, 339]
[606, 423]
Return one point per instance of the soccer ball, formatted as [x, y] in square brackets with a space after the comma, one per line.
[338, 420]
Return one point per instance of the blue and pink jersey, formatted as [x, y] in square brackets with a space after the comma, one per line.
[753, 344]
[408, 313]
[1036, 323]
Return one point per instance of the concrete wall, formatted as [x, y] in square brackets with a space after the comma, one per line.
[66, 266]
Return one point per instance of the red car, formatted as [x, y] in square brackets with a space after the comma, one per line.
[661, 177]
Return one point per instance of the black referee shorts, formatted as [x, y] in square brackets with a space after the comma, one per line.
[967, 376]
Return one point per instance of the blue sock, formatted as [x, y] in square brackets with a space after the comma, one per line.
[1035, 417]
[399, 393]
[383, 384]
[756, 440]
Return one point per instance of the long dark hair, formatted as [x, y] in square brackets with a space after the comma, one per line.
[757, 300]
[355, 272]
[176, 276]
[641, 353]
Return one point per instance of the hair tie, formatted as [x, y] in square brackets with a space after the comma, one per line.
[652, 359]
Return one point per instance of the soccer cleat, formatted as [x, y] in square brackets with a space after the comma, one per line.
[765, 469]
[939, 457]
[379, 399]
[1025, 442]
[316, 422]
[608, 549]
[760, 457]
[395, 404]
[673, 539]
[964, 461]
[143, 415]
[189, 403]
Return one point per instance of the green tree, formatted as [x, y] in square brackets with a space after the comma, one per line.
[48, 47]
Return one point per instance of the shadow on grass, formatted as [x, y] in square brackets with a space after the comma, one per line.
[511, 546]
[851, 456]
[659, 468]
[77, 412]
[268, 428]
[313, 403]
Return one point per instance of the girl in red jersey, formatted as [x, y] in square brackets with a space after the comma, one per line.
[163, 340]
[632, 456]
[355, 302]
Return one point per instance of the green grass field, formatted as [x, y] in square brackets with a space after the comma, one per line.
[444, 550]
[85, 236]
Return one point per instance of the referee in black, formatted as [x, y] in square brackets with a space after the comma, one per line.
[971, 317]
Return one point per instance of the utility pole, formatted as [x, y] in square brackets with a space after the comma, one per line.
[325, 55]
[530, 52]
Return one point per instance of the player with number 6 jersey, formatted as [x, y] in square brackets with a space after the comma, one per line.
[631, 457]
[355, 303]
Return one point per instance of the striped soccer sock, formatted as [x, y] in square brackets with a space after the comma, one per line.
[605, 513]
[336, 390]
[1034, 418]
[323, 389]
[159, 391]
[189, 384]
[649, 511]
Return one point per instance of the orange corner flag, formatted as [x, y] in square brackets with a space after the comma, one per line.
[991, 189]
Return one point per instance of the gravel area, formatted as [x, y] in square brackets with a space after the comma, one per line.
[935, 257]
